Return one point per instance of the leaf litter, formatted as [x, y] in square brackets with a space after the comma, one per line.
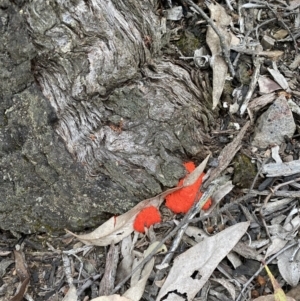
[202, 255]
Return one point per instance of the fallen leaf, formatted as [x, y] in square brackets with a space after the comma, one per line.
[191, 178]
[279, 242]
[71, 295]
[222, 21]
[229, 286]
[275, 54]
[279, 294]
[136, 291]
[261, 101]
[289, 270]
[111, 298]
[267, 85]
[279, 78]
[4, 264]
[22, 290]
[22, 273]
[139, 278]
[247, 251]
[200, 260]
[280, 34]
[281, 169]
[220, 194]
[125, 265]
[118, 227]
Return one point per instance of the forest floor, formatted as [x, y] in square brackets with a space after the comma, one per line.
[223, 252]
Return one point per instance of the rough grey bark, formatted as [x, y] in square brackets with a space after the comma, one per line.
[93, 118]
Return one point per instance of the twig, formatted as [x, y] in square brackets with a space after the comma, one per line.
[108, 279]
[88, 284]
[81, 266]
[227, 154]
[252, 86]
[284, 25]
[261, 25]
[262, 267]
[222, 210]
[188, 218]
[292, 258]
[28, 297]
[229, 4]
[237, 201]
[83, 249]
[225, 49]
[276, 188]
[196, 208]
[266, 200]
[67, 269]
[291, 194]
[160, 274]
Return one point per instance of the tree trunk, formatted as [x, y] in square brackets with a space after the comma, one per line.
[93, 118]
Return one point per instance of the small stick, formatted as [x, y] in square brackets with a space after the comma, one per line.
[67, 269]
[291, 194]
[108, 279]
[225, 50]
[229, 4]
[262, 267]
[88, 284]
[160, 274]
[197, 206]
[284, 25]
[252, 86]
[188, 218]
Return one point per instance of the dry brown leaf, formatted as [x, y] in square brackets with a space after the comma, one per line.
[192, 177]
[200, 260]
[119, 227]
[22, 273]
[218, 64]
[22, 290]
[21, 268]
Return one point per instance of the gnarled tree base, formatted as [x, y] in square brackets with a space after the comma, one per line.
[94, 118]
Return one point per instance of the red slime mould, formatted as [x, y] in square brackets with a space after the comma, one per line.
[183, 199]
[145, 218]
